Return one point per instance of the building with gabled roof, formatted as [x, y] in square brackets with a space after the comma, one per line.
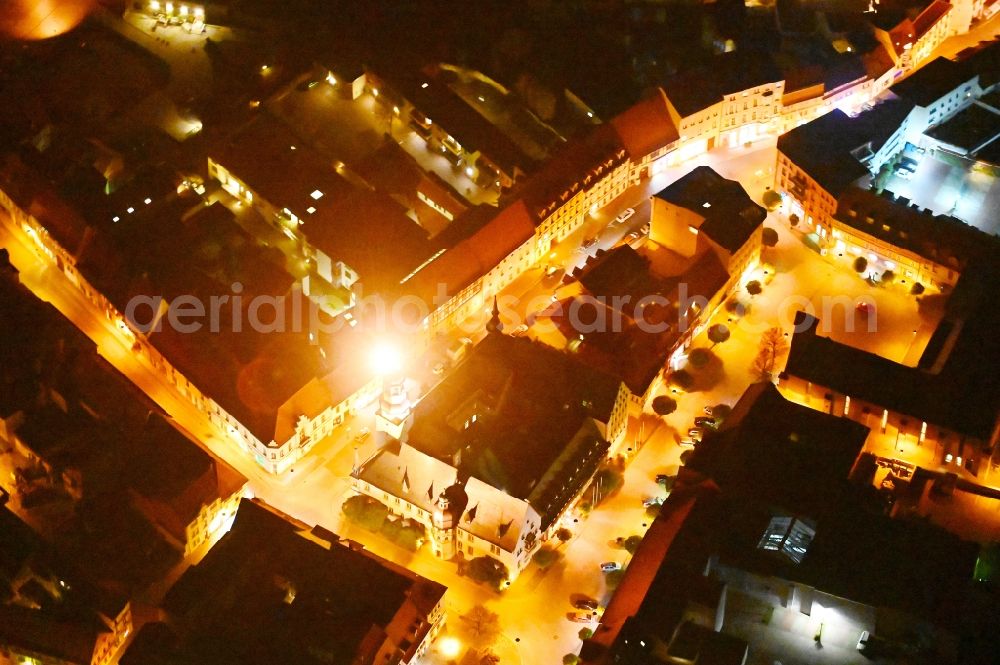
[764, 518]
[48, 611]
[917, 403]
[508, 441]
[269, 592]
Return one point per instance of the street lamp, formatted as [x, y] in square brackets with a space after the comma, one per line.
[450, 647]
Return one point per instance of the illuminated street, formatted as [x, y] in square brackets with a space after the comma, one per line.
[800, 464]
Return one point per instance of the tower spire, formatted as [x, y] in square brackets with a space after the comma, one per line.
[494, 324]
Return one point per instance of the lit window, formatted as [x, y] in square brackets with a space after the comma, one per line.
[788, 535]
[130, 210]
[291, 147]
[148, 201]
[706, 204]
[422, 85]
[317, 195]
[115, 218]
[310, 210]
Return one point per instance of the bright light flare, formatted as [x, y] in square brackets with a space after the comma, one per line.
[385, 359]
[449, 647]
[41, 19]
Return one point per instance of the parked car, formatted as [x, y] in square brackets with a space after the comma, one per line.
[695, 433]
[590, 243]
[519, 330]
[687, 443]
[863, 641]
[704, 421]
[652, 501]
[363, 434]
[609, 566]
[663, 479]
[581, 617]
[863, 308]
[552, 270]
[438, 368]
[628, 212]
[585, 603]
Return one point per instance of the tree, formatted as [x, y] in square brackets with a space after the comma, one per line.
[793, 220]
[489, 570]
[720, 411]
[613, 578]
[545, 557]
[887, 276]
[652, 510]
[631, 544]
[772, 346]
[606, 482]
[771, 200]
[860, 264]
[682, 380]
[487, 657]
[482, 625]
[365, 511]
[718, 333]
[664, 405]
[754, 288]
[917, 288]
[571, 659]
[563, 534]
[769, 237]
[699, 358]
[585, 633]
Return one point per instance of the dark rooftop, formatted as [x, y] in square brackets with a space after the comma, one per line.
[727, 74]
[731, 216]
[822, 148]
[932, 82]
[969, 130]
[943, 239]
[785, 454]
[964, 367]
[530, 401]
[437, 101]
[985, 61]
[265, 594]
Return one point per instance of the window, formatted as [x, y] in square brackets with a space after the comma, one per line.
[788, 535]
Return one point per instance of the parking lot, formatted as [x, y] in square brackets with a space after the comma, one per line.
[970, 195]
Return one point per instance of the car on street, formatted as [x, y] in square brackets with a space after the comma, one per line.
[704, 421]
[581, 617]
[363, 434]
[585, 603]
[652, 501]
[695, 433]
[552, 270]
[438, 368]
[626, 214]
[609, 566]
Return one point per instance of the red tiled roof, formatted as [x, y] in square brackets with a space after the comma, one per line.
[646, 126]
